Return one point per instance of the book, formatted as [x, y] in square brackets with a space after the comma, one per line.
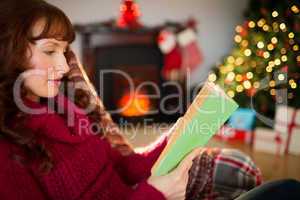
[208, 112]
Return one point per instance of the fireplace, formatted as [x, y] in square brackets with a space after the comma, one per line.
[125, 67]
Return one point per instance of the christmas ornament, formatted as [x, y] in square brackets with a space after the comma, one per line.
[129, 15]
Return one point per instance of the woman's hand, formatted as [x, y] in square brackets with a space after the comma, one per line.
[73, 63]
[173, 185]
[75, 73]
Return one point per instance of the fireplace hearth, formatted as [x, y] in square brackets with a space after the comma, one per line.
[125, 67]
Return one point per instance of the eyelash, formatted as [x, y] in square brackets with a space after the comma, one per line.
[52, 52]
[49, 52]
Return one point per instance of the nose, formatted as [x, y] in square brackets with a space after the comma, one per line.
[63, 67]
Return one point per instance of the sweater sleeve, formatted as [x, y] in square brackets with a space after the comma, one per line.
[144, 191]
[137, 166]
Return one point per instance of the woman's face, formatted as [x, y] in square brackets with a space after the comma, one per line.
[48, 66]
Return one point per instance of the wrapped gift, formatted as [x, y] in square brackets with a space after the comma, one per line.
[269, 141]
[242, 119]
[287, 122]
[240, 126]
[294, 142]
[228, 133]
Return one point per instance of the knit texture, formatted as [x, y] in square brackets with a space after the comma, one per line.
[85, 166]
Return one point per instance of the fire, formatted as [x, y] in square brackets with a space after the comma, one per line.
[134, 104]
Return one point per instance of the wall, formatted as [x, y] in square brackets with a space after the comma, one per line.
[217, 20]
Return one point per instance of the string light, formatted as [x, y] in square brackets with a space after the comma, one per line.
[251, 24]
[282, 26]
[281, 77]
[270, 47]
[283, 51]
[238, 29]
[271, 63]
[230, 59]
[269, 69]
[284, 58]
[274, 13]
[266, 54]
[291, 35]
[212, 77]
[238, 78]
[247, 84]
[274, 40]
[244, 43]
[239, 88]
[239, 61]
[273, 92]
[291, 81]
[266, 27]
[291, 41]
[277, 61]
[249, 75]
[296, 47]
[256, 84]
[261, 22]
[230, 76]
[298, 58]
[294, 85]
[272, 83]
[260, 45]
[247, 52]
[295, 9]
[230, 93]
[237, 38]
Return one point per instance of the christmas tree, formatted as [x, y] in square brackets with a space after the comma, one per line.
[263, 68]
[129, 15]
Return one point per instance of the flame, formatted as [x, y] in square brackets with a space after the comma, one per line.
[134, 104]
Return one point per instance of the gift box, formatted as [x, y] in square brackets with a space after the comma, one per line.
[227, 133]
[242, 119]
[269, 141]
[287, 122]
[239, 127]
[294, 143]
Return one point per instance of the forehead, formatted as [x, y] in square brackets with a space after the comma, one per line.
[51, 41]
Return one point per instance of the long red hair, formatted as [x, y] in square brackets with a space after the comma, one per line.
[17, 19]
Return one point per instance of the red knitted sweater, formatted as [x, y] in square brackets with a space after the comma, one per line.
[85, 166]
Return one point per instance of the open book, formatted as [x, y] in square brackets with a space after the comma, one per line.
[207, 113]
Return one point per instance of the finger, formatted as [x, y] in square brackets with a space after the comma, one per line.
[70, 55]
[74, 74]
[186, 164]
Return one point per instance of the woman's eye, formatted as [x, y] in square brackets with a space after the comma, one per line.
[49, 52]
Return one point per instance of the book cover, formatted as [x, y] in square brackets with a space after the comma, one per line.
[207, 113]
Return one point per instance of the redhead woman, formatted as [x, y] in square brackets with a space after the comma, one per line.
[45, 151]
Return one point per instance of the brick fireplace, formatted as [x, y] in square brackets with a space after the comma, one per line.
[125, 67]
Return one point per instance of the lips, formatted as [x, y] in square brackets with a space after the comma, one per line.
[55, 81]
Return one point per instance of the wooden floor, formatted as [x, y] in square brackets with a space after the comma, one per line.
[273, 167]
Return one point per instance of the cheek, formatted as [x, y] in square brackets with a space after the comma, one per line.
[40, 61]
[36, 81]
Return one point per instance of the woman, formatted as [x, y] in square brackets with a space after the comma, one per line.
[44, 154]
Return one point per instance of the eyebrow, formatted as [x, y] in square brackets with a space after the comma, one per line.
[56, 44]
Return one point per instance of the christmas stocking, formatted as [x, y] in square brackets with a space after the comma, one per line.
[191, 55]
[172, 55]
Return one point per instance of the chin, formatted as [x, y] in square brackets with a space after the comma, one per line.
[50, 94]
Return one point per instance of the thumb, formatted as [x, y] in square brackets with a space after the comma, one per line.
[187, 162]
